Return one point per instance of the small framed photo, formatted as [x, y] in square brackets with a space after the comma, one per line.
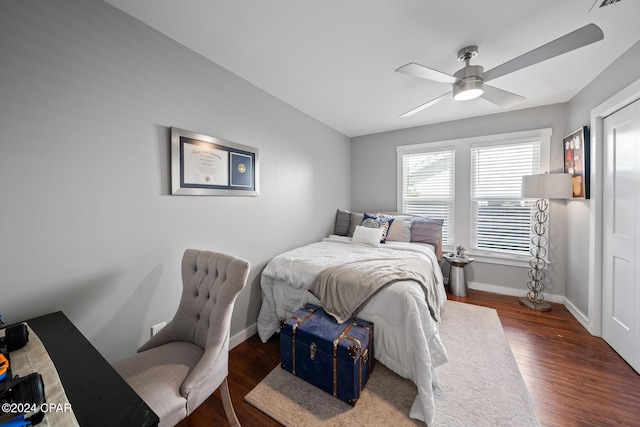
[576, 161]
[203, 165]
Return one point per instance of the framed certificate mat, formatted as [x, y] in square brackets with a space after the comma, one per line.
[203, 165]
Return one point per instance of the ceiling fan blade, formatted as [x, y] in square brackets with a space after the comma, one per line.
[423, 72]
[581, 37]
[500, 97]
[423, 106]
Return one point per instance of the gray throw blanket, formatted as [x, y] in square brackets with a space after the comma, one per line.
[343, 289]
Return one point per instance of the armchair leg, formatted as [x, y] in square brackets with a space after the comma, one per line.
[228, 406]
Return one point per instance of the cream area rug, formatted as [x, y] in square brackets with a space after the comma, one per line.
[479, 386]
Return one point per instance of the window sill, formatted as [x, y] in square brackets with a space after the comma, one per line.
[510, 260]
[500, 259]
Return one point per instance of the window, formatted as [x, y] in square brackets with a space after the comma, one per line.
[428, 187]
[500, 219]
[474, 185]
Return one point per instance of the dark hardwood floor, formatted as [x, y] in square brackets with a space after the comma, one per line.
[574, 378]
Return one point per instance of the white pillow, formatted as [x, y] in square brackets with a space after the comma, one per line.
[367, 236]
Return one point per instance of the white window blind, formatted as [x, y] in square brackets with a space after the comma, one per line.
[500, 218]
[428, 187]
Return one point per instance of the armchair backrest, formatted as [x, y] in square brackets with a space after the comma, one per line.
[211, 282]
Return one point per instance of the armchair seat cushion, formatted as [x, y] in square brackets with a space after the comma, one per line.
[171, 363]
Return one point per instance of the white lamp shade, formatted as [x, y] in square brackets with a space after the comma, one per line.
[547, 186]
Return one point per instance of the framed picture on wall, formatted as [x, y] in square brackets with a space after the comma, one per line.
[576, 161]
[203, 165]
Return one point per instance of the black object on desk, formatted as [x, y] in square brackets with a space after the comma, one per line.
[98, 395]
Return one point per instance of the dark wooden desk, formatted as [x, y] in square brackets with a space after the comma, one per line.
[98, 394]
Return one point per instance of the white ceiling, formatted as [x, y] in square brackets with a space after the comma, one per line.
[335, 59]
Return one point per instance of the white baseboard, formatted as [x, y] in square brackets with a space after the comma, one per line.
[243, 335]
[580, 317]
[584, 320]
[511, 291]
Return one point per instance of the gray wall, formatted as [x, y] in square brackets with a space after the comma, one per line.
[87, 224]
[373, 178]
[616, 77]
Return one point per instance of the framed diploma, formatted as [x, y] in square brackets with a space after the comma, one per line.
[202, 165]
[576, 161]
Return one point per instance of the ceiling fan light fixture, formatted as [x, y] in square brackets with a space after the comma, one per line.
[469, 88]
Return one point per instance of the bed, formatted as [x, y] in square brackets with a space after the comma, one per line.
[405, 312]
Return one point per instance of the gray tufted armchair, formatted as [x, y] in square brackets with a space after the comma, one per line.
[184, 363]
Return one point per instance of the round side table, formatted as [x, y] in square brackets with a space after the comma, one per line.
[457, 279]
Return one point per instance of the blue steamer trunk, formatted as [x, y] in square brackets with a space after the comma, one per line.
[337, 358]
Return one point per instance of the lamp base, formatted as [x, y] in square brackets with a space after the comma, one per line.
[537, 306]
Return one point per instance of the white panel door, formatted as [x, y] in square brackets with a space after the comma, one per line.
[621, 235]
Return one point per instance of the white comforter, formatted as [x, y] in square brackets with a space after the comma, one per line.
[406, 336]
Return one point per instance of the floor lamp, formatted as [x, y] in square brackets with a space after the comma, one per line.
[541, 187]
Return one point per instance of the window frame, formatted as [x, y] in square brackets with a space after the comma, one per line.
[462, 179]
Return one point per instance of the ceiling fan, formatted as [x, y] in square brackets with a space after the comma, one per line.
[469, 82]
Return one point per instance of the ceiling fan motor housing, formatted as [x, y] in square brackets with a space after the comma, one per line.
[470, 83]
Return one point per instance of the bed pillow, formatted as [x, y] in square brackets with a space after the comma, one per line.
[426, 230]
[356, 219]
[343, 219]
[400, 229]
[373, 221]
[367, 235]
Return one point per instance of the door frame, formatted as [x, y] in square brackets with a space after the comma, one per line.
[618, 101]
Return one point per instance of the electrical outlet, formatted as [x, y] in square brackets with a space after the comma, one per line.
[156, 328]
